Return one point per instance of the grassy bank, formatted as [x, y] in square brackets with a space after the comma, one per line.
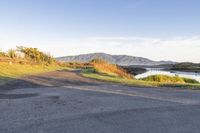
[12, 71]
[103, 67]
[134, 82]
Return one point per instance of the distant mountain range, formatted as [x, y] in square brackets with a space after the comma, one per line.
[123, 60]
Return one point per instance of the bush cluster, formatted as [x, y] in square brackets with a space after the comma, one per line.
[36, 56]
[32, 55]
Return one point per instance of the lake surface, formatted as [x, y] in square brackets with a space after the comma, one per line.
[155, 71]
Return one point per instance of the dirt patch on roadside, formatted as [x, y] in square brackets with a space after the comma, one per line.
[50, 79]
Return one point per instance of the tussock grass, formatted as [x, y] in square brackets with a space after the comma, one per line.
[169, 79]
[103, 67]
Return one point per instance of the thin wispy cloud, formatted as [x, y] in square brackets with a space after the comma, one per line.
[176, 48]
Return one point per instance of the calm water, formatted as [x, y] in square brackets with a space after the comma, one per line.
[155, 71]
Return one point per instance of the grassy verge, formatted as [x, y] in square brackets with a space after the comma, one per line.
[9, 72]
[134, 82]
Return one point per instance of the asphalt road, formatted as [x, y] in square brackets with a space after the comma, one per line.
[65, 102]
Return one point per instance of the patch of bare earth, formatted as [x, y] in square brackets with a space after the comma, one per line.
[56, 78]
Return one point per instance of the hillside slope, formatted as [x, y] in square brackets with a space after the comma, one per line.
[123, 60]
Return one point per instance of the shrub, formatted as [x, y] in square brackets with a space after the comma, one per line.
[98, 61]
[36, 56]
[11, 53]
[77, 65]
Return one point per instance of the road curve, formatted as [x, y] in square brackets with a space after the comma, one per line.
[66, 102]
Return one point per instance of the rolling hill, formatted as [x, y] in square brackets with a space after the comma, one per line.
[123, 60]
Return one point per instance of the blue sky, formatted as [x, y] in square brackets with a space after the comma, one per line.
[156, 29]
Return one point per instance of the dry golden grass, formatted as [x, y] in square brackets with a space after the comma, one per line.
[110, 69]
[75, 65]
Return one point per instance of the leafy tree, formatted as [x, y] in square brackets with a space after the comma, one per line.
[35, 55]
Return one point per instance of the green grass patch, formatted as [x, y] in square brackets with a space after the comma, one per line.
[192, 81]
[116, 79]
[13, 71]
[170, 79]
